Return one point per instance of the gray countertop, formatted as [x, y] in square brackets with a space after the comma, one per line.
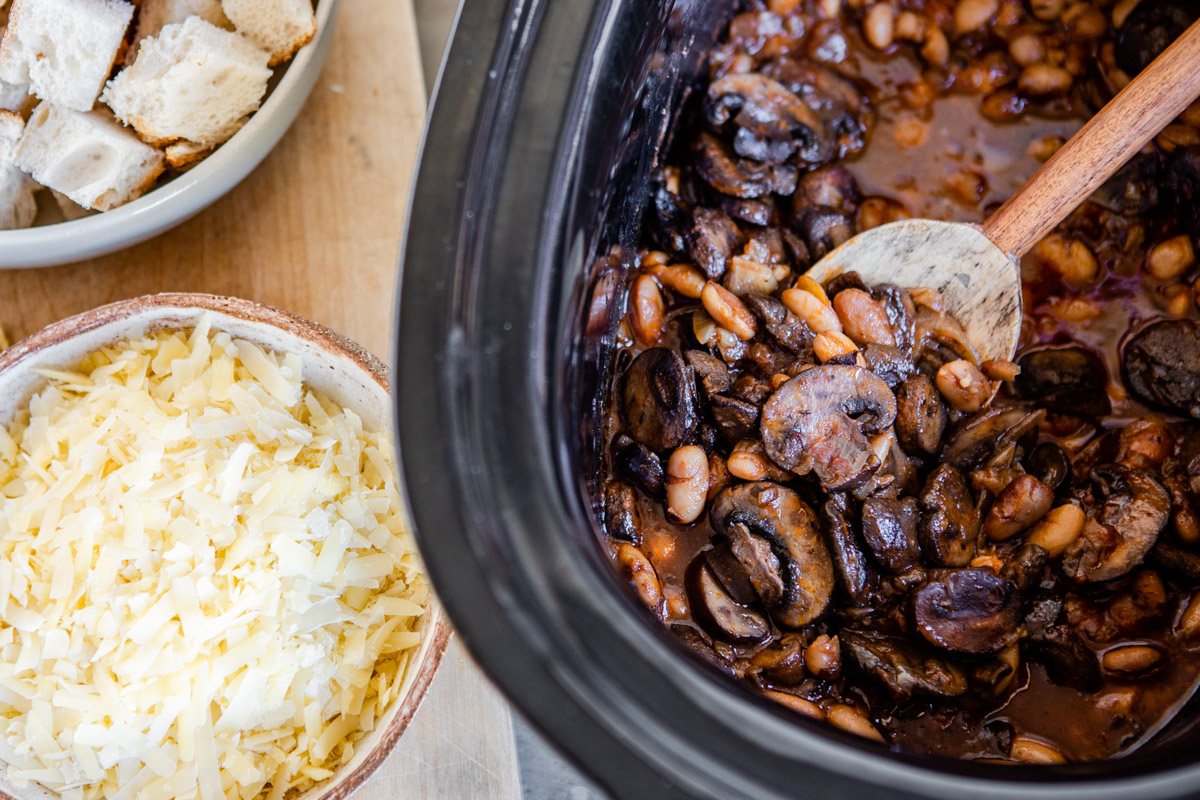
[544, 773]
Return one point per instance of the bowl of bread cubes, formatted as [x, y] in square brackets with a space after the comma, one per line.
[208, 584]
[119, 119]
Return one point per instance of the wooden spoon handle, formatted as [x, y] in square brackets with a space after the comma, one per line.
[1101, 147]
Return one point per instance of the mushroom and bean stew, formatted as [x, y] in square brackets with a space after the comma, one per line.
[820, 488]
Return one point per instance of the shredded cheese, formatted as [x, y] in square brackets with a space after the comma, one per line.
[206, 587]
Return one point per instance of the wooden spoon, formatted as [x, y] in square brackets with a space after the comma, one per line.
[976, 267]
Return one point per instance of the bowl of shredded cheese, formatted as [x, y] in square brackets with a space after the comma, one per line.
[207, 584]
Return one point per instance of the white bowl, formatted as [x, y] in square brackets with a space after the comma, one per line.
[190, 193]
[332, 364]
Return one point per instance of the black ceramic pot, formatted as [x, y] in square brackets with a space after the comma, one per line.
[546, 121]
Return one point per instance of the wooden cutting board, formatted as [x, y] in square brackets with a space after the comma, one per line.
[316, 230]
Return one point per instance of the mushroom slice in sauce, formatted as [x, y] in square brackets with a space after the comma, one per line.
[820, 421]
[968, 611]
[1128, 510]
[777, 514]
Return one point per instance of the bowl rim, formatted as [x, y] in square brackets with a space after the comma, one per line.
[190, 192]
[423, 666]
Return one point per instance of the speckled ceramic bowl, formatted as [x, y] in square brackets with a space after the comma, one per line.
[332, 364]
[188, 194]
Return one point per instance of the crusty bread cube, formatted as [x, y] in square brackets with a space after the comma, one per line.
[11, 127]
[281, 27]
[88, 156]
[18, 206]
[154, 15]
[192, 81]
[183, 154]
[64, 49]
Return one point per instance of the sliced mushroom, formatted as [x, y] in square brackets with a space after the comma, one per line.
[730, 572]
[658, 399]
[757, 558]
[972, 442]
[712, 374]
[716, 612]
[832, 186]
[740, 177]
[849, 560]
[1127, 510]
[889, 363]
[778, 515]
[621, 517]
[711, 239]
[784, 326]
[822, 228]
[902, 314]
[782, 661]
[921, 415]
[735, 419]
[1161, 365]
[769, 120]
[968, 611]
[1049, 463]
[903, 667]
[639, 464]
[1149, 29]
[820, 421]
[889, 527]
[1067, 380]
[1025, 567]
[844, 111]
[950, 523]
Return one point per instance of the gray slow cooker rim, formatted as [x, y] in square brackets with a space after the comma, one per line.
[492, 270]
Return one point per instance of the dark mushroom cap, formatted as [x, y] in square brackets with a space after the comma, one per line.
[777, 515]
[968, 611]
[658, 399]
[950, 525]
[849, 561]
[889, 528]
[1068, 380]
[921, 415]
[1149, 29]
[1161, 365]
[1127, 510]
[819, 421]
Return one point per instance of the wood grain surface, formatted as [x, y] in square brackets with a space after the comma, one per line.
[315, 230]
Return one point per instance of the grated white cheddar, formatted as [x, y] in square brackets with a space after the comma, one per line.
[206, 588]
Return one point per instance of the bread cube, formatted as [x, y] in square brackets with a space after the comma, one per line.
[16, 97]
[18, 206]
[191, 81]
[11, 127]
[154, 15]
[88, 156]
[64, 49]
[281, 27]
